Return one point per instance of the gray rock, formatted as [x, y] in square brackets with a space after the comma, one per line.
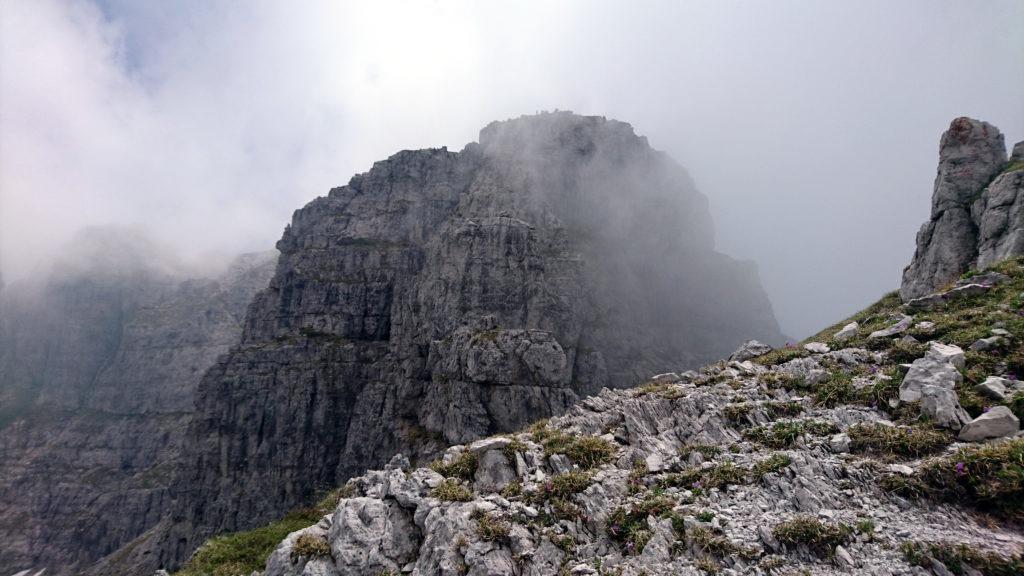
[937, 368]
[971, 153]
[749, 349]
[840, 442]
[983, 344]
[848, 331]
[993, 387]
[493, 472]
[998, 422]
[816, 347]
[943, 406]
[897, 327]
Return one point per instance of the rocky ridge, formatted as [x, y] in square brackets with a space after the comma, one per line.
[977, 215]
[825, 458]
[98, 364]
[442, 297]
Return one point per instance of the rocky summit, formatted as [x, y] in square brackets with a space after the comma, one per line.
[99, 361]
[977, 215]
[445, 296]
[889, 443]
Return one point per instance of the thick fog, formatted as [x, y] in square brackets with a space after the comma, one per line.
[811, 126]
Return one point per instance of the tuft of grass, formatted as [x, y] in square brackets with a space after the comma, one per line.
[512, 448]
[737, 413]
[820, 538]
[512, 490]
[785, 434]
[912, 442]
[709, 451]
[705, 516]
[700, 479]
[245, 552]
[452, 491]
[310, 546]
[709, 542]
[566, 484]
[667, 390]
[989, 477]
[866, 527]
[628, 525]
[586, 452]
[491, 528]
[957, 557]
[773, 463]
[780, 356]
[462, 466]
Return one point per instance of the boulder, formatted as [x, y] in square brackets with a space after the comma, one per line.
[493, 472]
[848, 331]
[943, 406]
[899, 326]
[983, 344]
[993, 387]
[750, 349]
[998, 422]
[938, 367]
[816, 347]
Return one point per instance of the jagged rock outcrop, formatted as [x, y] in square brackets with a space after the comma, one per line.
[977, 215]
[98, 366]
[444, 296]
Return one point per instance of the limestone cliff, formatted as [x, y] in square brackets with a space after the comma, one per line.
[99, 361]
[977, 215]
[441, 297]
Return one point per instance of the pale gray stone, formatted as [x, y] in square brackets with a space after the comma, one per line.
[998, 422]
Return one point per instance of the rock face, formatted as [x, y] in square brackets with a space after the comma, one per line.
[723, 503]
[443, 296]
[977, 215]
[98, 366]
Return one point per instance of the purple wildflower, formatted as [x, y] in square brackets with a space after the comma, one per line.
[960, 469]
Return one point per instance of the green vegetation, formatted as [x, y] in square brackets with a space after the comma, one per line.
[491, 528]
[781, 356]
[773, 463]
[245, 552]
[957, 557]
[990, 477]
[512, 448]
[866, 527]
[705, 516]
[820, 538]
[628, 525]
[708, 541]
[911, 442]
[667, 390]
[462, 466]
[566, 484]
[586, 452]
[310, 546]
[785, 434]
[701, 479]
[452, 491]
[512, 490]
[736, 413]
[709, 451]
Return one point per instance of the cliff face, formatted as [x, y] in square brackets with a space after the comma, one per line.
[977, 208]
[441, 297]
[98, 367]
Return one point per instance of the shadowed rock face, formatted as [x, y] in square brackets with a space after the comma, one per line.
[98, 367]
[977, 208]
[441, 297]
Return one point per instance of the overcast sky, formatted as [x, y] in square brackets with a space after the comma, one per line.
[811, 126]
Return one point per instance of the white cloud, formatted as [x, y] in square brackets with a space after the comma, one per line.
[812, 127]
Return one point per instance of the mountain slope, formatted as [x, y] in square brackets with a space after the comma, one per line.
[442, 297]
[98, 364]
[801, 460]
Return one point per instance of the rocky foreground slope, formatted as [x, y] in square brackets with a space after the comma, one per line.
[99, 360]
[881, 446]
[446, 296]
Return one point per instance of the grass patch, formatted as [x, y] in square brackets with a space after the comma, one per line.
[628, 525]
[701, 479]
[708, 451]
[785, 434]
[912, 442]
[773, 463]
[818, 537]
[452, 491]
[245, 552]
[491, 528]
[780, 356]
[709, 542]
[566, 484]
[462, 466]
[667, 390]
[586, 452]
[310, 546]
[738, 413]
[989, 477]
[957, 557]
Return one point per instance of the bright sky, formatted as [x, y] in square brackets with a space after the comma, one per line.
[811, 126]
